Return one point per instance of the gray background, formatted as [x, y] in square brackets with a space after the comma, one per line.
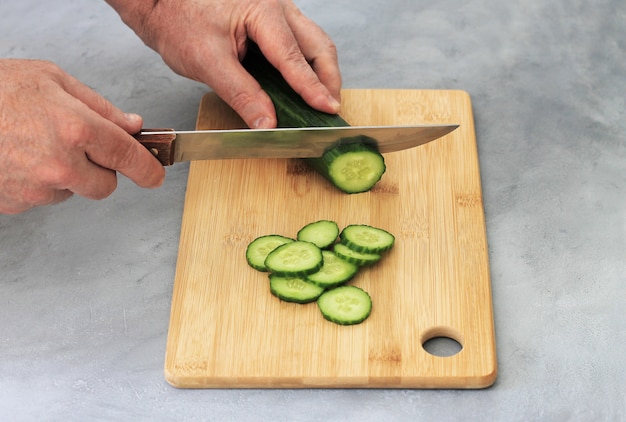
[85, 286]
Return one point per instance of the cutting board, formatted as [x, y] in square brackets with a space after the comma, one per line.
[228, 331]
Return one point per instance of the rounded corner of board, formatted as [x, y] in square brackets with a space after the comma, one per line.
[464, 94]
[173, 378]
[488, 380]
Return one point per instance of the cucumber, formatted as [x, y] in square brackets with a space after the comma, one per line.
[259, 248]
[334, 272]
[351, 167]
[302, 271]
[297, 258]
[291, 109]
[323, 233]
[364, 165]
[366, 239]
[357, 258]
[294, 289]
[345, 305]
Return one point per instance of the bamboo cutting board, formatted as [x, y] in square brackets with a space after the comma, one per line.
[228, 331]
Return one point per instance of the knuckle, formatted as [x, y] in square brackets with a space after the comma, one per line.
[74, 131]
[57, 174]
[125, 156]
[293, 56]
[240, 100]
[49, 67]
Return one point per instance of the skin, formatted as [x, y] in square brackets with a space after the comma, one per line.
[74, 141]
[58, 137]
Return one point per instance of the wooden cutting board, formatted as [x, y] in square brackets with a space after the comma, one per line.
[228, 331]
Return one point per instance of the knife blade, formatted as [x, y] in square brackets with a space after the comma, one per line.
[171, 146]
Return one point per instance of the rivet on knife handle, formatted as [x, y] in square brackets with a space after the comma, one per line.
[160, 144]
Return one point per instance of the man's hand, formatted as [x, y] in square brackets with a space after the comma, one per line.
[59, 137]
[205, 40]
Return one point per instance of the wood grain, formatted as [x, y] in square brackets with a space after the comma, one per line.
[227, 330]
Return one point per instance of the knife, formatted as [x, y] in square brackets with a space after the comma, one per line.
[171, 146]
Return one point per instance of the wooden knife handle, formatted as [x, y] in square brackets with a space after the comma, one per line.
[160, 145]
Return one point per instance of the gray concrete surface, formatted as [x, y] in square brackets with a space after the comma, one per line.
[85, 287]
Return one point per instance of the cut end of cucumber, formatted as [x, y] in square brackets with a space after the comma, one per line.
[323, 233]
[355, 168]
[366, 239]
[259, 248]
[296, 258]
[301, 271]
[345, 305]
[335, 271]
[294, 289]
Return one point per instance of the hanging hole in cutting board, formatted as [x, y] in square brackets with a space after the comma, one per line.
[442, 342]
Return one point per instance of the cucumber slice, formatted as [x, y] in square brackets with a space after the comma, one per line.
[367, 239]
[360, 259]
[296, 258]
[323, 233]
[345, 305]
[334, 272]
[259, 248]
[294, 289]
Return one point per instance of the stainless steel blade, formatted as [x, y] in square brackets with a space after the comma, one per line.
[294, 143]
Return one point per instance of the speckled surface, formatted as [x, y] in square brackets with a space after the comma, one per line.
[85, 287]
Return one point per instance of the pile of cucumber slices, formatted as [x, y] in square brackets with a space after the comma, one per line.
[317, 264]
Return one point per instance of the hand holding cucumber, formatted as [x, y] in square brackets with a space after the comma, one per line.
[206, 40]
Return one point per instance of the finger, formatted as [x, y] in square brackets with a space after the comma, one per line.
[232, 83]
[106, 148]
[317, 47]
[88, 179]
[131, 123]
[54, 197]
[31, 198]
[280, 47]
[105, 130]
[114, 149]
[110, 147]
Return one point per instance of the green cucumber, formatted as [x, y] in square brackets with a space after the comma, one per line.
[363, 165]
[352, 167]
[301, 271]
[334, 272]
[357, 258]
[345, 305]
[258, 250]
[366, 239]
[294, 289]
[323, 233]
[291, 109]
[296, 258]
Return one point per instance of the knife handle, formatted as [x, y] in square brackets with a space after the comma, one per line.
[160, 144]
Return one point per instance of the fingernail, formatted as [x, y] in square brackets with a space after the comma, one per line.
[335, 105]
[262, 122]
[132, 117]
